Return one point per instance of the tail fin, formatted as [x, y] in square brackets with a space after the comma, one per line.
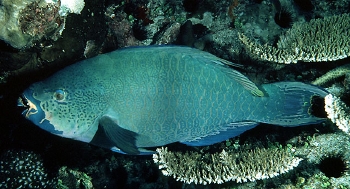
[293, 103]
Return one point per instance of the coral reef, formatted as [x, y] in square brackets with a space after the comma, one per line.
[29, 21]
[312, 41]
[71, 179]
[23, 169]
[333, 75]
[70, 6]
[121, 29]
[319, 148]
[38, 21]
[57, 46]
[11, 32]
[193, 167]
[338, 112]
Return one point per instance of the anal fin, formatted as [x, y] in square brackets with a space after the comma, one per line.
[228, 131]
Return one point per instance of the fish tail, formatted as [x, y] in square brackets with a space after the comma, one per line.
[294, 104]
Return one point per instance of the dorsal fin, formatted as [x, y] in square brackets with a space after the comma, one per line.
[234, 74]
[206, 57]
[244, 81]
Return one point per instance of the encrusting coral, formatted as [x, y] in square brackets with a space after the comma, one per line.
[198, 168]
[313, 41]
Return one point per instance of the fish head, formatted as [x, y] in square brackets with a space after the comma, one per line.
[62, 110]
[42, 106]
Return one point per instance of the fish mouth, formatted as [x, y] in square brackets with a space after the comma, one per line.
[29, 107]
[34, 112]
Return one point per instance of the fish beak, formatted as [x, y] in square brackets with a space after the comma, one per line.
[30, 107]
[22, 102]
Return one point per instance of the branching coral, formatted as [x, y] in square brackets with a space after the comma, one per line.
[338, 112]
[198, 168]
[313, 41]
[332, 75]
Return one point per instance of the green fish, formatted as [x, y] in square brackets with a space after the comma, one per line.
[135, 98]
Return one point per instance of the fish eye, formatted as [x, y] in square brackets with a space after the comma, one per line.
[59, 94]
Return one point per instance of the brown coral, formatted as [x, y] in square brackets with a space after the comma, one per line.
[39, 20]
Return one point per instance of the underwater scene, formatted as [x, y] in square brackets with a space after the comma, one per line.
[191, 94]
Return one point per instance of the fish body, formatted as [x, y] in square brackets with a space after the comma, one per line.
[134, 98]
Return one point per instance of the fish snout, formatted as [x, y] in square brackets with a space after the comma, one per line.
[23, 104]
[30, 108]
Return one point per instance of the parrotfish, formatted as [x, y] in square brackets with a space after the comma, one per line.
[132, 99]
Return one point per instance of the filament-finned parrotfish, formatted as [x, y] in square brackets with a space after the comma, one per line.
[134, 98]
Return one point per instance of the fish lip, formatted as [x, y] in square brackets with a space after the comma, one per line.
[22, 101]
[25, 101]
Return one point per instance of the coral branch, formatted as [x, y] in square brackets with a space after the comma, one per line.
[193, 167]
[338, 112]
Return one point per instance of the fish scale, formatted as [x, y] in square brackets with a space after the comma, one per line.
[135, 98]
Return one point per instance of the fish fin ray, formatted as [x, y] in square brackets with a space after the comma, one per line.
[244, 81]
[209, 58]
[234, 74]
[226, 132]
[290, 103]
[122, 138]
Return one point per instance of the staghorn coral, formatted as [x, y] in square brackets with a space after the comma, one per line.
[198, 168]
[313, 41]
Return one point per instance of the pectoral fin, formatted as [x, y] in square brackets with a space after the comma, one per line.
[121, 138]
